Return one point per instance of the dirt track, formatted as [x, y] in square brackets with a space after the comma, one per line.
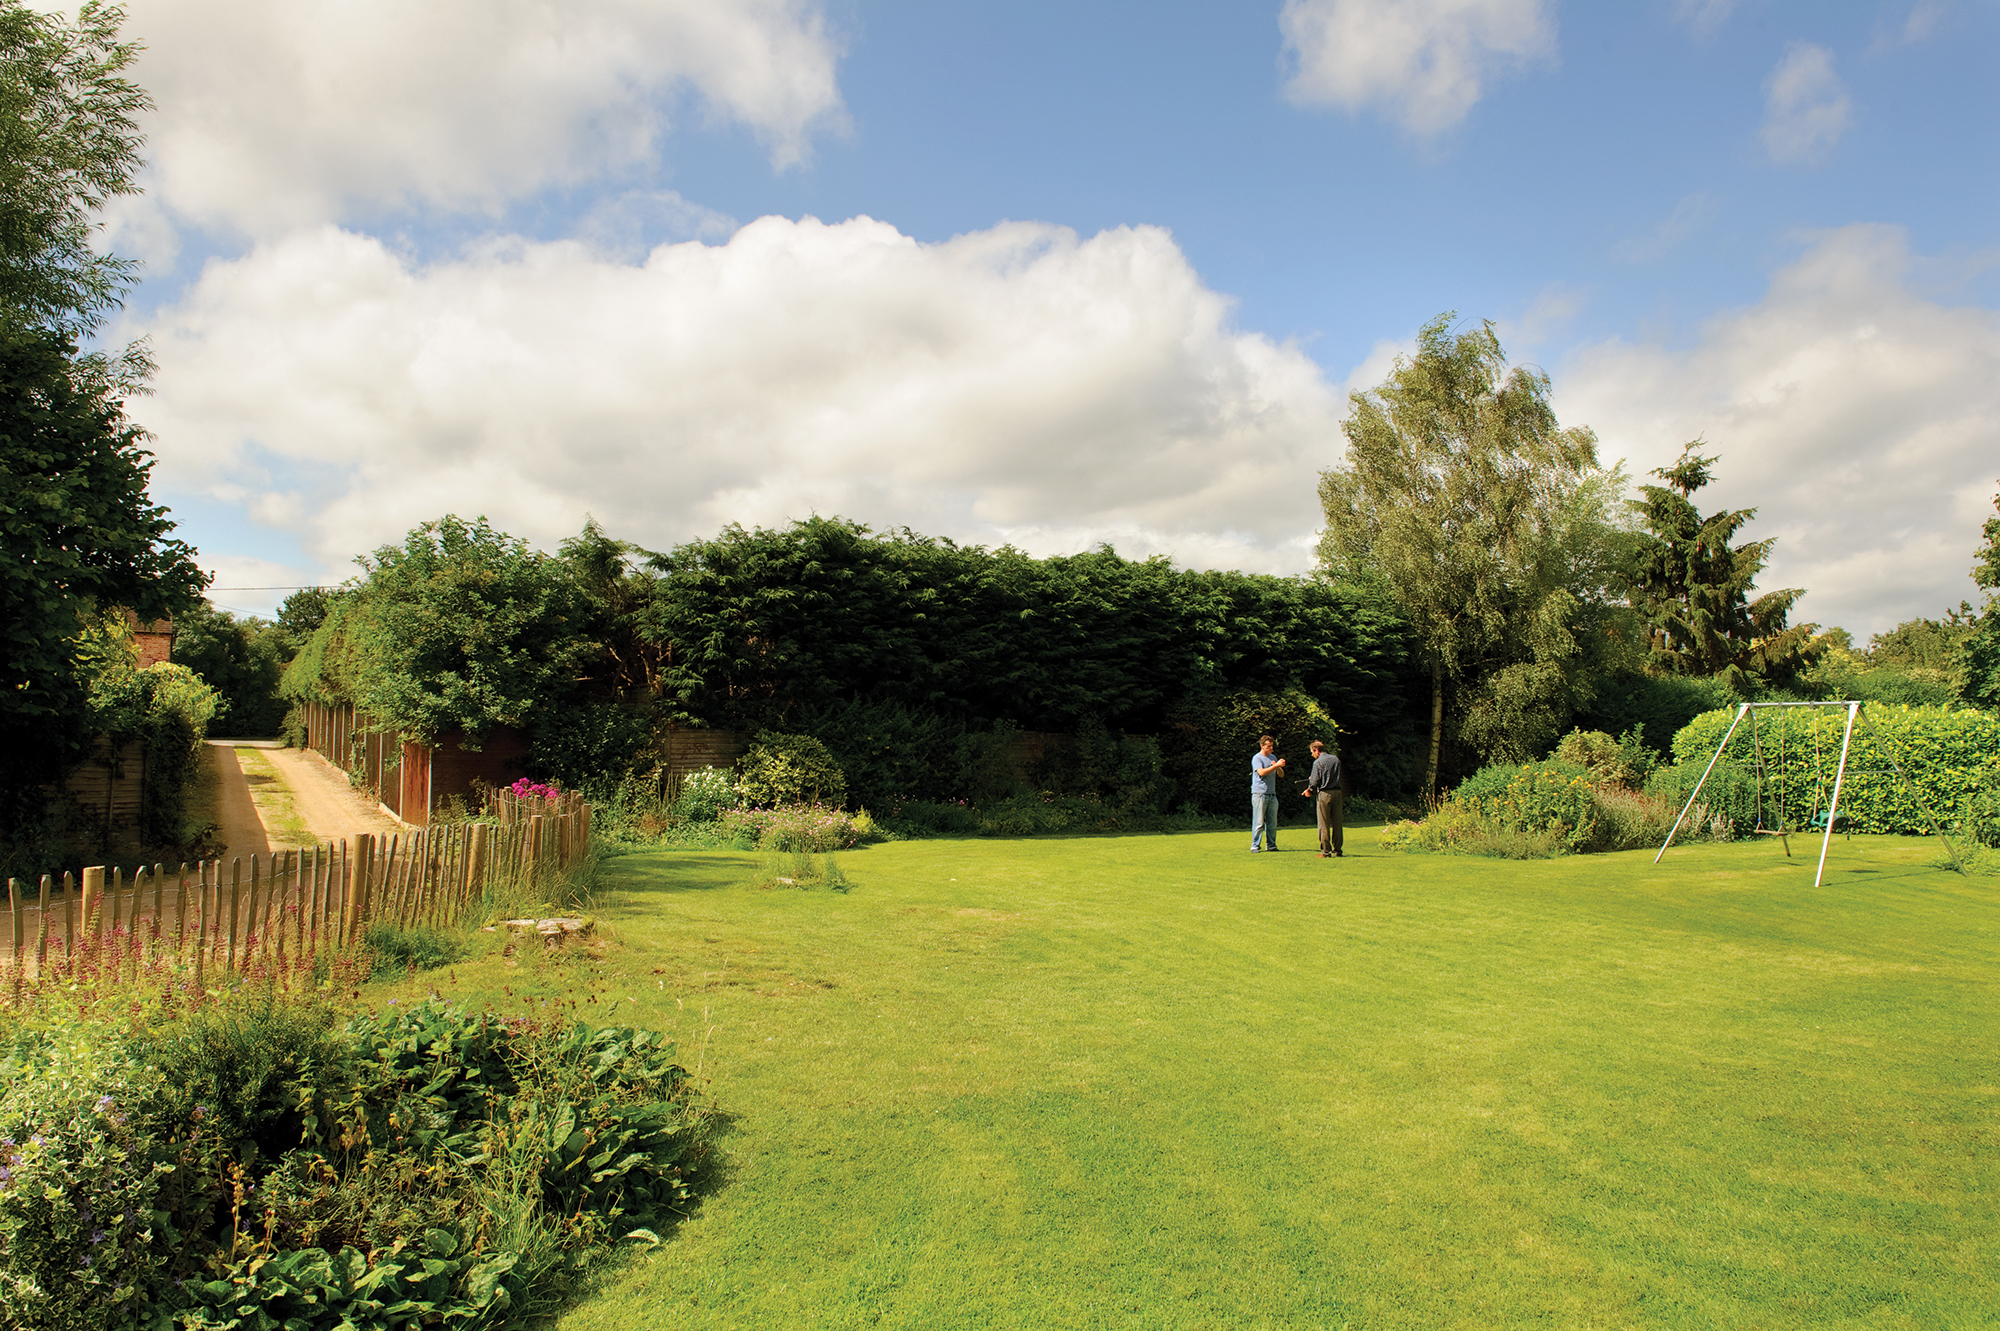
[331, 809]
[242, 829]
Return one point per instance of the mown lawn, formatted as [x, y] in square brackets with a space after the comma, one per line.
[1159, 1082]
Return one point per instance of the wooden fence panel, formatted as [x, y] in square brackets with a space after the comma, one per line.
[235, 917]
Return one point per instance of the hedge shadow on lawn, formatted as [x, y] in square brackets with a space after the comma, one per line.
[677, 871]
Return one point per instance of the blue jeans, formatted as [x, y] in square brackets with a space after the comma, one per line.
[1264, 820]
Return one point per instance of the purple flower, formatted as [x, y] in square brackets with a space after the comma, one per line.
[103, 1103]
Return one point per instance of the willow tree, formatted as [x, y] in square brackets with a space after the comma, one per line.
[1487, 521]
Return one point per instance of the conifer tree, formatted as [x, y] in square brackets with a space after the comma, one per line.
[1692, 588]
[1982, 649]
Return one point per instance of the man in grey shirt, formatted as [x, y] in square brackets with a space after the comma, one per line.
[1324, 782]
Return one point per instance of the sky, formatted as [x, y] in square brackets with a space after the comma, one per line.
[1053, 275]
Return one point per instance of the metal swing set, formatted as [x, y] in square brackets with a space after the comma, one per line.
[1817, 818]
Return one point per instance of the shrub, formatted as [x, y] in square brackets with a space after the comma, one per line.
[1633, 820]
[582, 742]
[1657, 705]
[86, 1152]
[889, 751]
[982, 765]
[1208, 740]
[934, 818]
[1953, 757]
[1360, 809]
[705, 795]
[1979, 818]
[1728, 805]
[251, 1165]
[1455, 828]
[1624, 762]
[1032, 815]
[1124, 772]
[806, 828]
[1401, 835]
[167, 708]
[1536, 797]
[791, 769]
[1533, 810]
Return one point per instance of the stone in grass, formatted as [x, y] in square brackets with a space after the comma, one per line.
[553, 932]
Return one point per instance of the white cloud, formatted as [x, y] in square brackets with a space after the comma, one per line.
[1806, 107]
[1704, 16]
[1553, 309]
[246, 585]
[1923, 20]
[1689, 215]
[1423, 62]
[627, 226]
[1014, 384]
[1854, 412]
[274, 113]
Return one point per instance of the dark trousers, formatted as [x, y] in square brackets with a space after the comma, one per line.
[1329, 807]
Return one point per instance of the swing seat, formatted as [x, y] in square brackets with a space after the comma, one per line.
[1841, 824]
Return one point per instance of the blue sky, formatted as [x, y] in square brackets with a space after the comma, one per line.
[1124, 264]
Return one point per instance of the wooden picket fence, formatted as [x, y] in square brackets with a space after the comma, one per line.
[280, 911]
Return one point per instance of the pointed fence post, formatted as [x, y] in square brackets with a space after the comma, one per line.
[42, 932]
[235, 891]
[250, 912]
[475, 867]
[16, 960]
[93, 897]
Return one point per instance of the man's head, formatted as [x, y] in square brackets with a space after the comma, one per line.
[1266, 744]
[1316, 746]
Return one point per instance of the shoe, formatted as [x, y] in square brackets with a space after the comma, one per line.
[1326, 854]
[1340, 854]
[1255, 849]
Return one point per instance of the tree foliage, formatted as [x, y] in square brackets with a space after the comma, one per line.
[78, 532]
[242, 660]
[1208, 740]
[791, 769]
[1692, 588]
[69, 144]
[1982, 646]
[620, 591]
[301, 613]
[458, 629]
[791, 628]
[900, 652]
[1486, 520]
[756, 627]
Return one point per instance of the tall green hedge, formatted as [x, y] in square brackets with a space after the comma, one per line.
[1953, 757]
[1207, 743]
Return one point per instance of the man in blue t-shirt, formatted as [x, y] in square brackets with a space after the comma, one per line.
[1264, 773]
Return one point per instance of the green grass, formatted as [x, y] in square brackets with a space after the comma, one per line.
[1158, 1082]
